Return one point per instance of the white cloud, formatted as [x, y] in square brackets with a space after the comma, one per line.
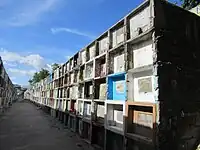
[73, 31]
[18, 72]
[10, 64]
[33, 60]
[30, 12]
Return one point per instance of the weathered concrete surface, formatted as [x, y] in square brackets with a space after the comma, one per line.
[25, 127]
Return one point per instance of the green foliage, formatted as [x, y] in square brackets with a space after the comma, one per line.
[189, 4]
[38, 76]
[54, 66]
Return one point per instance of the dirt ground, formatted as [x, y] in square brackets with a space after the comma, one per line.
[26, 127]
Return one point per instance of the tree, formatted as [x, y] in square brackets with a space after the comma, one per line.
[54, 66]
[189, 4]
[38, 76]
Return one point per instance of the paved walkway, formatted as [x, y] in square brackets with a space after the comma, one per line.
[25, 127]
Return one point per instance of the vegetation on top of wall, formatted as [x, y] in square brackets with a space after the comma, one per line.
[189, 4]
[38, 76]
[42, 74]
[54, 66]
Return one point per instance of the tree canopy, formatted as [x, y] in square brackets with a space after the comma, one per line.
[54, 66]
[189, 4]
[38, 76]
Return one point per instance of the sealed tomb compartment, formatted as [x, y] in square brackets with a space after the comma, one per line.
[116, 61]
[100, 67]
[141, 86]
[114, 113]
[76, 76]
[89, 71]
[117, 87]
[138, 51]
[91, 52]
[82, 57]
[118, 34]
[141, 122]
[100, 89]
[74, 92]
[81, 91]
[103, 45]
[71, 77]
[80, 107]
[141, 21]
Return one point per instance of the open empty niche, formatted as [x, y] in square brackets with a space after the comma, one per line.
[134, 145]
[89, 70]
[141, 121]
[116, 61]
[81, 91]
[100, 67]
[100, 89]
[72, 123]
[114, 141]
[115, 116]
[79, 126]
[66, 79]
[141, 86]
[73, 106]
[100, 133]
[87, 110]
[103, 45]
[86, 132]
[76, 59]
[88, 90]
[80, 107]
[82, 73]
[118, 36]
[67, 90]
[59, 82]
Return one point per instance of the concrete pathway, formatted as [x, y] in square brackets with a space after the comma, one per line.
[25, 127]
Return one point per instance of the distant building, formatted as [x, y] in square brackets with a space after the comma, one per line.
[20, 92]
